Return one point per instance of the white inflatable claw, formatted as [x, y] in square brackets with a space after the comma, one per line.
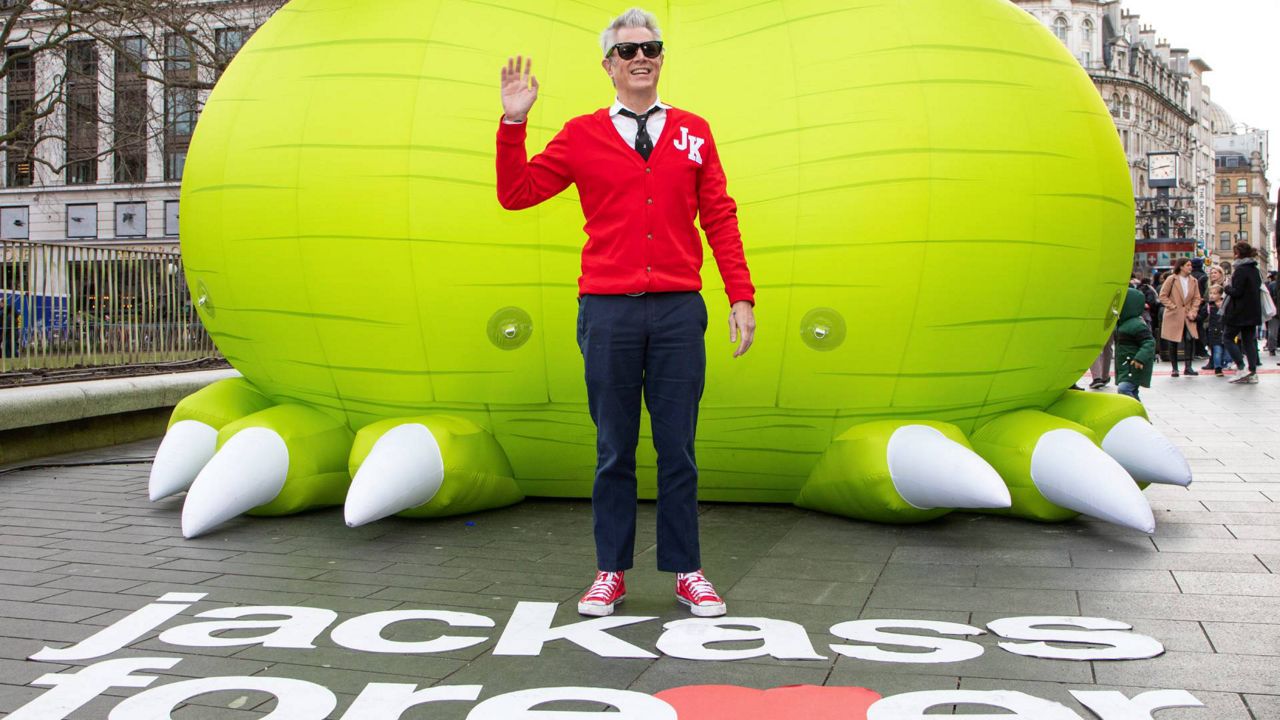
[930, 470]
[1146, 453]
[404, 469]
[249, 470]
[186, 447]
[1071, 472]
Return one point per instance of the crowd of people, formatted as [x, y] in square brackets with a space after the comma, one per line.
[1218, 314]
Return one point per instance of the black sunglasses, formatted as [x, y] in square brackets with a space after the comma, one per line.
[627, 51]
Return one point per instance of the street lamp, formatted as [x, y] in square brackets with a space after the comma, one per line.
[1241, 211]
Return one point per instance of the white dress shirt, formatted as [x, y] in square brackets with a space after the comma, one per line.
[1186, 285]
[628, 127]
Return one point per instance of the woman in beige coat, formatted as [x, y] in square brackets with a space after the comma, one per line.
[1180, 296]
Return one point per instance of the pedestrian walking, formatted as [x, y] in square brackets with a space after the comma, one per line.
[1180, 296]
[644, 171]
[1244, 312]
[1135, 347]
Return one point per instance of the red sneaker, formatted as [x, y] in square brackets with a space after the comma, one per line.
[695, 590]
[608, 590]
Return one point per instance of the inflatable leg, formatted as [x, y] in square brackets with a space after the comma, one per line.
[428, 466]
[1055, 470]
[1126, 435]
[902, 473]
[192, 437]
[282, 460]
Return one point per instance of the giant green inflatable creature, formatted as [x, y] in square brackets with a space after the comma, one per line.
[934, 204]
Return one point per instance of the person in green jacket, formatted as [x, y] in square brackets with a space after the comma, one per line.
[1135, 347]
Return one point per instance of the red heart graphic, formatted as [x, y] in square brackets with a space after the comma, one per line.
[793, 702]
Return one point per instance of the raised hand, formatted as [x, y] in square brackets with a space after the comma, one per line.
[519, 89]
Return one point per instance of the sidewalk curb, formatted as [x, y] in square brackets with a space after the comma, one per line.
[37, 405]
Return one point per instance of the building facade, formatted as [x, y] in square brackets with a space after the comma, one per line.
[1245, 212]
[108, 164]
[1160, 103]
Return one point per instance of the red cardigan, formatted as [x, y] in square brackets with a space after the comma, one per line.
[640, 231]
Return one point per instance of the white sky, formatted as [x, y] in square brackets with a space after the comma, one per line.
[1238, 39]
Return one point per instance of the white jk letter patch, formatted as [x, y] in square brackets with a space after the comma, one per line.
[692, 143]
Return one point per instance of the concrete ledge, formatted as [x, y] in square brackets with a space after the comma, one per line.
[42, 405]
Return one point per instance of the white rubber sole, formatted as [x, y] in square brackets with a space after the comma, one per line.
[597, 610]
[704, 610]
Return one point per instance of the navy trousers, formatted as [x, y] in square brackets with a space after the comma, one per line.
[651, 345]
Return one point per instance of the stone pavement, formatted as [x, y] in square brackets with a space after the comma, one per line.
[81, 548]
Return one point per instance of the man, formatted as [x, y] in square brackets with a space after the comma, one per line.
[644, 170]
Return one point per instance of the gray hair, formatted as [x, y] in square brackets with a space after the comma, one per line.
[633, 18]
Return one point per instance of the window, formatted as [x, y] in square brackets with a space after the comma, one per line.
[1224, 213]
[131, 219]
[1061, 27]
[227, 42]
[1128, 107]
[180, 106]
[82, 112]
[1224, 241]
[1242, 187]
[82, 221]
[131, 112]
[1244, 236]
[1115, 105]
[171, 218]
[14, 223]
[1226, 188]
[19, 120]
[1086, 30]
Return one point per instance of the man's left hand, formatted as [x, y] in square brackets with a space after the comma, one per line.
[742, 326]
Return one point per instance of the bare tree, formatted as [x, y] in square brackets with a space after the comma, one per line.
[61, 56]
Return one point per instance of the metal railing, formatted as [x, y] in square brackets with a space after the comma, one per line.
[67, 306]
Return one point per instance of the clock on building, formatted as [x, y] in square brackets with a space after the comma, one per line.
[1162, 170]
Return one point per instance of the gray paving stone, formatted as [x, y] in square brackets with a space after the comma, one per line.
[1206, 545]
[1196, 671]
[816, 569]
[1264, 707]
[93, 584]
[1255, 532]
[1222, 583]
[942, 555]
[839, 594]
[116, 572]
[896, 573]
[1244, 638]
[1225, 608]
[1072, 578]
[1239, 562]
[942, 597]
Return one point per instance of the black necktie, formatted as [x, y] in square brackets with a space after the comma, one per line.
[644, 145]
